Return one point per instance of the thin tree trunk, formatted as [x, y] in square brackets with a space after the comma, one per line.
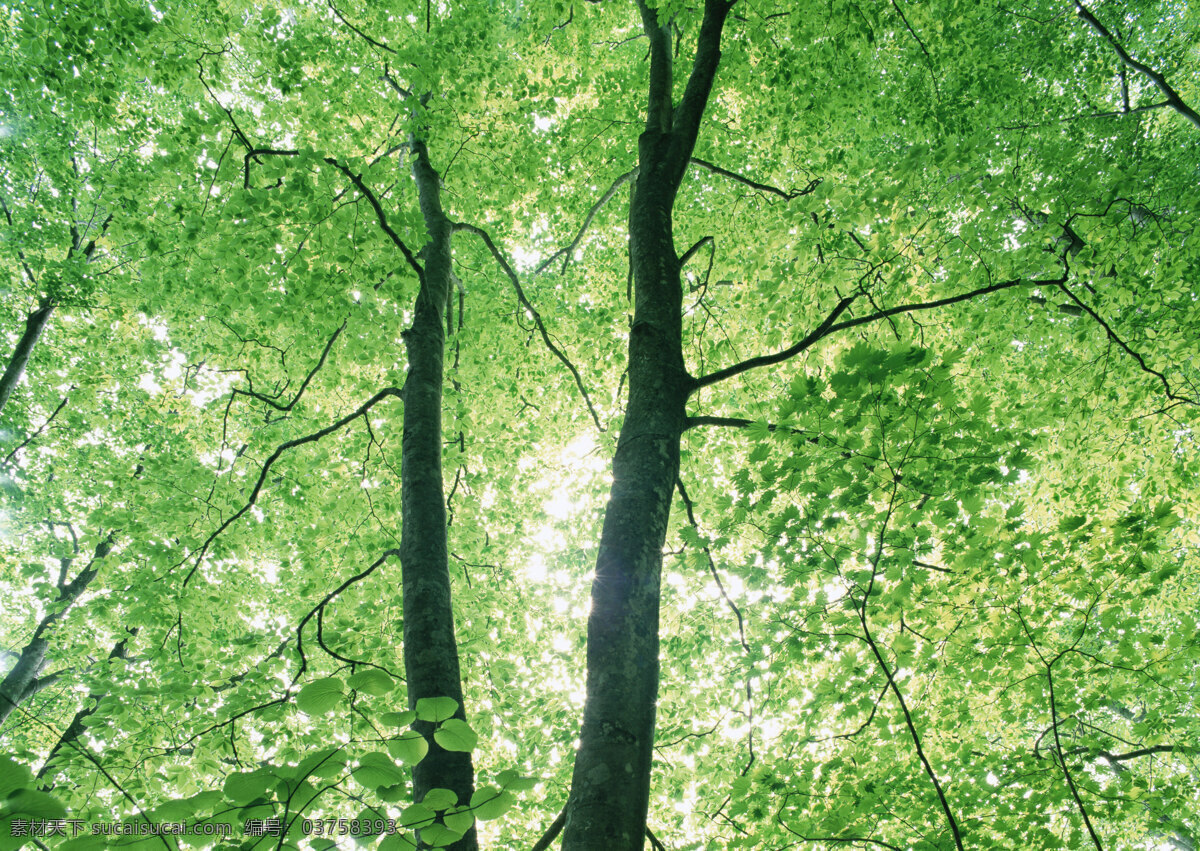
[35, 323]
[610, 788]
[430, 649]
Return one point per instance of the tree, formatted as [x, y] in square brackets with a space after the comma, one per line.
[923, 382]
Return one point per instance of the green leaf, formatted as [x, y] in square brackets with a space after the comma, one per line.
[398, 842]
[244, 787]
[327, 762]
[456, 735]
[320, 696]
[399, 719]
[372, 681]
[435, 709]
[459, 819]
[376, 769]
[440, 799]
[439, 835]
[13, 775]
[490, 803]
[409, 747]
[417, 815]
[32, 804]
[514, 781]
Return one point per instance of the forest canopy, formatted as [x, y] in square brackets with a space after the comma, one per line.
[599, 424]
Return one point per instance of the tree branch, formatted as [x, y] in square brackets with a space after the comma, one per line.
[307, 379]
[359, 32]
[686, 124]
[766, 360]
[1173, 99]
[754, 184]
[659, 107]
[891, 679]
[1137, 357]
[828, 327]
[11, 456]
[740, 422]
[357, 180]
[551, 833]
[319, 609]
[266, 468]
[569, 250]
[537, 317]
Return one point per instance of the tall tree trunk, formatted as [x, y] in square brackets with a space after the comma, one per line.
[610, 788]
[35, 323]
[430, 649]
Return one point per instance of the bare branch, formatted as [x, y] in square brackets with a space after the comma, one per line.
[924, 49]
[691, 252]
[891, 679]
[20, 254]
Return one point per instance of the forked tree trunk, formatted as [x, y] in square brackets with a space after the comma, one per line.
[610, 789]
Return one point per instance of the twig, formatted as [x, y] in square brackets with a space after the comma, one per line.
[537, 317]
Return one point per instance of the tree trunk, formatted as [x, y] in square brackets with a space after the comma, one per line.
[35, 323]
[610, 788]
[22, 681]
[430, 649]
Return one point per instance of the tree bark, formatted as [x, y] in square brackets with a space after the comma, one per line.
[610, 788]
[22, 682]
[430, 650]
[35, 323]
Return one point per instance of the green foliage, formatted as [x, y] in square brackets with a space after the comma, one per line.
[957, 505]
